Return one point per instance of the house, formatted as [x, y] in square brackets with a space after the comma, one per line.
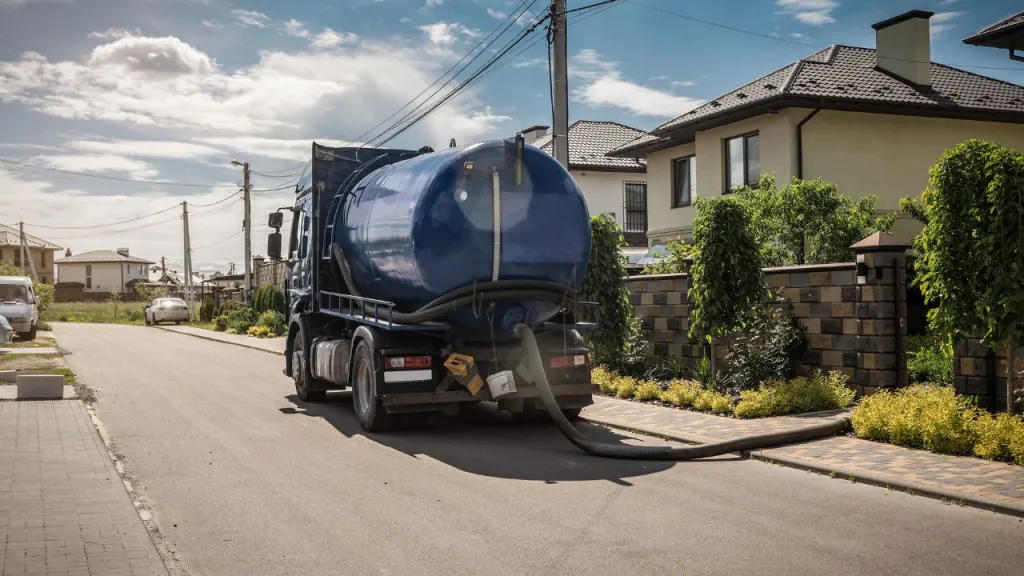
[873, 121]
[40, 252]
[616, 186]
[94, 275]
[1007, 34]
[172, 281]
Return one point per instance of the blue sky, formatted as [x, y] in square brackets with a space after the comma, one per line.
[172, 90]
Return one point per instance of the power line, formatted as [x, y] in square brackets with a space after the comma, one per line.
[114, 178]
[780, 39]
[489, 64]
[225, 199]
[293, 175]
[589, 6]
[103, 225]
[122, 230]
[219, 241]
[512, 18]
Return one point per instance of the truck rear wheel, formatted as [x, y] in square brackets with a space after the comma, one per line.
[301, 374]
[370, 413]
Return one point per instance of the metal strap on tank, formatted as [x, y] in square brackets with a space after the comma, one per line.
[496, 192]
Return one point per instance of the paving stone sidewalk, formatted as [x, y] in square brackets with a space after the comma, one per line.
[64, 510]
[977, 482]
[274, 345]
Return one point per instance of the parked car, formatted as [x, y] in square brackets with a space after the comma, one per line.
[19, 305]
[6, 332]
[167, 310]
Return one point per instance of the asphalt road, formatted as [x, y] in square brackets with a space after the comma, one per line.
[244, 479]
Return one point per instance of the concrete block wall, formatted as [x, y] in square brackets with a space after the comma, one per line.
[980, 371]
[854, 324]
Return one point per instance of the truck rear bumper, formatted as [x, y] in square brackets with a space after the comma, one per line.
[484, 394]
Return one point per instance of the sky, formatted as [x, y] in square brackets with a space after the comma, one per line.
[153, 99]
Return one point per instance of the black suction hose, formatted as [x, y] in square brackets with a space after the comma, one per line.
[536, 367]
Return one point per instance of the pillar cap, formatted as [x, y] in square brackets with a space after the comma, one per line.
[880, 242]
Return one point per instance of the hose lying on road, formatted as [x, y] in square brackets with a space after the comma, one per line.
[536, 366]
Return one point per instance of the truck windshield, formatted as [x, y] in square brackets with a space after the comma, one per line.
[13, 293]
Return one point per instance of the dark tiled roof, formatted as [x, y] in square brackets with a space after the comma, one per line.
[1013, 24]
[848, 74]
[590, 141]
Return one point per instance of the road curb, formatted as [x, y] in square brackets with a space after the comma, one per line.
[212, 339]
[863, 477]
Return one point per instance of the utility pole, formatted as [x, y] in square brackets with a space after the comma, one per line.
[188, 261]
[247, 224]
[163, 269]
[560, 121]
[25, 252]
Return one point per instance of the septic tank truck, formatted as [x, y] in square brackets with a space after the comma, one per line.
[409, 272]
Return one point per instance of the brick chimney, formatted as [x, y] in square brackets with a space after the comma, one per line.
[903, 45]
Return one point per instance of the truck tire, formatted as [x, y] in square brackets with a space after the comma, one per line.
[301, 374]
[31, 334]
[370, 413]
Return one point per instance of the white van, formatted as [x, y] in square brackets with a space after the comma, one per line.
[19, 305]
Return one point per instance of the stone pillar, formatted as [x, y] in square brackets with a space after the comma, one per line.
[881, 313]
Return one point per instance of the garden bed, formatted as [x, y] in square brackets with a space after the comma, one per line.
[935, 418]
[817, 393]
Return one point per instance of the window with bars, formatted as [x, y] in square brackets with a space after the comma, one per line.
[635, 207]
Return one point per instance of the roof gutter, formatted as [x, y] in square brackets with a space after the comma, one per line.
[800, 142]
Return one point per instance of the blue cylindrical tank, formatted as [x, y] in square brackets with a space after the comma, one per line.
[420, 228]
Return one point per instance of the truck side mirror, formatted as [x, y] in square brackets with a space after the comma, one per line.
[275, 220]
[274, 245]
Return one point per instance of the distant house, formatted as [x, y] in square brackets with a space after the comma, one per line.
[172, 281]
[615, 186]
[40, 252]
[1007, 34]
[873, 121]
[94, 275]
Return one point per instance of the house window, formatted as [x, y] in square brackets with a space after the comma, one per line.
[742, 161]
[17, 257]
[684, 181]
[88, 275]
[635, 204]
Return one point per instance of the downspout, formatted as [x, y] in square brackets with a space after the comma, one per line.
[496, 206]
[800, 142]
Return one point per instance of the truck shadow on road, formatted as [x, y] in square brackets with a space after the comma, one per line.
[488, 442]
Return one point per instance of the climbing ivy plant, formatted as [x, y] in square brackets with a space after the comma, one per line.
[613, 342]
[727, 280]
[971, 263]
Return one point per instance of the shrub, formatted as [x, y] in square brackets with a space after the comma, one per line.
[273, 321]
[207, 310]
[268, 297]
[231, 331]
[647, 390]
[703, 372]
[716, 402]
[239, 319]
[675, 261]
[45, 292]
[625, 387]
[766, 350]
[999, 437]
[603, 284]
[929, 417]
[220, 323]
[605, 380]
[929, 360]
[779, 397]
[260, 332]
[682, 393]
[229, 305]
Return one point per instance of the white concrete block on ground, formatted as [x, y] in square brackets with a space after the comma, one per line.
[40, 387]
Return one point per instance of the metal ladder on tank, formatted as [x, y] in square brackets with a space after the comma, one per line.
[339, 199]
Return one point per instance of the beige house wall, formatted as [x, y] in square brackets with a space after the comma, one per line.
[42, 258]
[886, 155]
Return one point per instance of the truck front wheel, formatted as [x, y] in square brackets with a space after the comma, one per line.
[301, 374]
[370, 413]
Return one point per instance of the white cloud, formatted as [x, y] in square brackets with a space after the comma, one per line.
[329, 38]
[432, 3]
[115, 33]
[798, 35]
[212, 24]
[659, 78]
[250, 18]
[811, 12]
[602, 85]
[942, 22]
[16, 3]
[446, 34]
[497, 14]
[100, 164]
[147, 148]
[276, 148]
[947, 2]
[683, 83]
[160, 55]
[295, 28]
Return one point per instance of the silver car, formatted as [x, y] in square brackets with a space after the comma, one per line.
[18, 303]
[6, 332]
[167, 310]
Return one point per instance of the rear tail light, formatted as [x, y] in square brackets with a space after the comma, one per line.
[559, 362]
[407, 362]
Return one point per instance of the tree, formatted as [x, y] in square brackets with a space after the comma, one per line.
[675, 261]
[809, 221]
[728, 283]
[610, 344]
[972, 247]
[46, 294]
[8, 269]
